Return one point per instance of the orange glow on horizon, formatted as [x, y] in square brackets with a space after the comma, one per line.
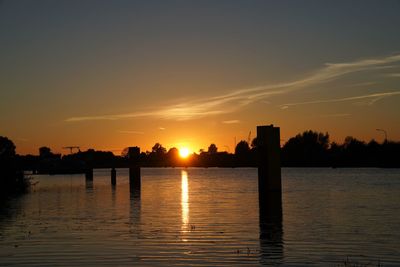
[184, 152]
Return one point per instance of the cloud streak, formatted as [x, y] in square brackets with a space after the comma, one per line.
[130, 132]
[231, 121]
[237, 99]
[371, 97]
[393, 75]
[338, 115]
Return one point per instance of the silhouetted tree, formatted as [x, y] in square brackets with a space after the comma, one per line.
[7, 148]
[242, 154]
[11, 178]
[212, 149]
[242, 148]
[390, 152]
[124, 152]
[45, 152]
[355, 152]
[306, 149]
[374, 154]
[158, 149]
[157, 157]
[173, 152]
[7, 158]
[254, 143]
[173, 156]
[335, 154]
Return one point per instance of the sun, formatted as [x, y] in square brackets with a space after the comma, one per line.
[184, 152]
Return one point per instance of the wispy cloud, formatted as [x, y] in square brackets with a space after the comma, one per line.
[372, 98]
[394, 75]
[231, 121]
[109, 117]
[130, 132]
[237, 99]
[363, 84]
[335, 115]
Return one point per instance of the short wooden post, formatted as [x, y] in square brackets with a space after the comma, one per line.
[89, 174]
[134, 177]
[113, 176]
[134, 168]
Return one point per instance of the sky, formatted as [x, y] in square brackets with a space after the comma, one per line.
[112, 74]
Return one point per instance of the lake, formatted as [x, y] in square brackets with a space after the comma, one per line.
[204, 217]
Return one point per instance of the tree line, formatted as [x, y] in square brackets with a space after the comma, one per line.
[12, 179]
[307, 149]
[313, 149]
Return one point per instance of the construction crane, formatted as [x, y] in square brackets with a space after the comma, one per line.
[71, 148]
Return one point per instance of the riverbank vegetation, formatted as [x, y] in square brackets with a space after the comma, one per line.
[307, 149]
[12, 178]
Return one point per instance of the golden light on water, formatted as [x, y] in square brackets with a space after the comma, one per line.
[185, 199]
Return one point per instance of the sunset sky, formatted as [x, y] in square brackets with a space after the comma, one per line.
[112, 74]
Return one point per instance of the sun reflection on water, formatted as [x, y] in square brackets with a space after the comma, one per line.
[185, 200]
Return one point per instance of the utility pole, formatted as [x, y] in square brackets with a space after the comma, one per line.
[382, 130]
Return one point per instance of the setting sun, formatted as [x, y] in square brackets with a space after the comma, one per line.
[184, 152]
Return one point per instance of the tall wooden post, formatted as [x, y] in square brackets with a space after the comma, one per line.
[134, 168]
[269, 185]
[269, 160]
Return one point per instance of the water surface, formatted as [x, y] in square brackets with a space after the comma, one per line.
[204, 217]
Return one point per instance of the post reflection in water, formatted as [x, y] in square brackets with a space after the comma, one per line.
[271, 230]
[135, 210]
[89, 185]
[113, 195]
[184, 200]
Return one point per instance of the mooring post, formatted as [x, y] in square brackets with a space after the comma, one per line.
[113, 176]
[269, 160]
[89, 174]
[134, 177]
[269, 184]
[134, 168]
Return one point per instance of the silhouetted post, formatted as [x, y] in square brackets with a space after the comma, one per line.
[270, 193]
[89, 174]
[269, 160]
[113, 176]
[269, 174]
[134, 168]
